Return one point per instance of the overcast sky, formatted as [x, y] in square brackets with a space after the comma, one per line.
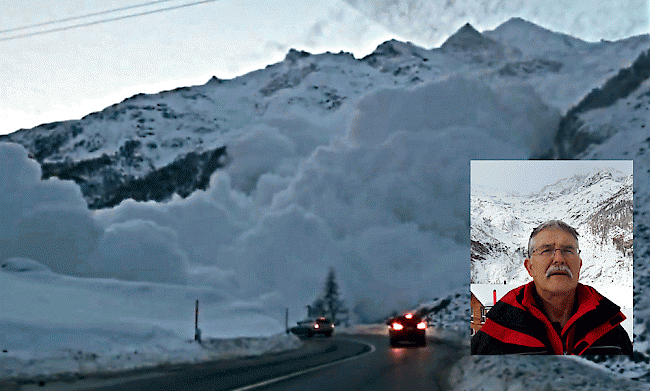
[68, 74]
[528, 176]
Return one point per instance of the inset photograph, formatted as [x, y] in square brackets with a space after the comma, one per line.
[552, 257]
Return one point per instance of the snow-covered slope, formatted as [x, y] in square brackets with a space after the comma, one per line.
[618, 106]
[533, 40]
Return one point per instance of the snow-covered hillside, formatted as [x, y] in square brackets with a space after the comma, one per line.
[329, 161]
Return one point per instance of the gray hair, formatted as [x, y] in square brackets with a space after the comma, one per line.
[557, 224]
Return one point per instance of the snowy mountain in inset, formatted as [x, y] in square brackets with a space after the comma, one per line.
[597, 205]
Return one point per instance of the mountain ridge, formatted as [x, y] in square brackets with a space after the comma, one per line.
[146, 133]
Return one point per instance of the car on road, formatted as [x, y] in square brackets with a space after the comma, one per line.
[410, 328]
[313, 326]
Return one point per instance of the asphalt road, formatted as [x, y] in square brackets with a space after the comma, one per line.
[385, 368]
[343, 362]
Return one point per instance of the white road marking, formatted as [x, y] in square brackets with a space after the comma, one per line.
[299, 373]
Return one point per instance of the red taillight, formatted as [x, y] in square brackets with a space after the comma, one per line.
[408, 316]
[422, 325]
[316, 326]
[397, 326]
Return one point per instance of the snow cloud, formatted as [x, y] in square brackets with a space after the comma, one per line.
[255, 153]
[46, 221]
[138, 250]
[398, 264]
[457, 102]
[382, 198]
[288, 251]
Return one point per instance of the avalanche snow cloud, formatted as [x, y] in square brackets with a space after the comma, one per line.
[384, 201]
[46, 221]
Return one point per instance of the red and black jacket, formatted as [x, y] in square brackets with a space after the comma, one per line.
[517, 324]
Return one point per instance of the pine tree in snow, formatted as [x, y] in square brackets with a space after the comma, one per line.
[330, 305]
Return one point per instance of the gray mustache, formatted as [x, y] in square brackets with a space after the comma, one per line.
[559, 268]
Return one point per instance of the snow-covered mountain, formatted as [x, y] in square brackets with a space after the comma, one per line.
[430, 22]
[598, 205]
[619, 106]
[181, 137]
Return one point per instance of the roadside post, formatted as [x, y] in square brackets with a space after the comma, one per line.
[286, 321]
[197, 330]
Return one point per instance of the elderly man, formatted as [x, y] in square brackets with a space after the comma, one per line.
[553, 314]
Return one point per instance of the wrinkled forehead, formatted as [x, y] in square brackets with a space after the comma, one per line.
[554, 237]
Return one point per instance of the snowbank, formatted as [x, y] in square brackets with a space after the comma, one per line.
[510, 373]
[66, 324]
[130, 352]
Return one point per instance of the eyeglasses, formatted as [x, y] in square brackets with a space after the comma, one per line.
[549, 252]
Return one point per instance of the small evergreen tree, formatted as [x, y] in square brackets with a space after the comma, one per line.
[330, 305]
[331, 297]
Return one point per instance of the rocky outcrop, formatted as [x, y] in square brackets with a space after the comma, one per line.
[104, 185]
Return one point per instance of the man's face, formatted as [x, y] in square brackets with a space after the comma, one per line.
[543, 261]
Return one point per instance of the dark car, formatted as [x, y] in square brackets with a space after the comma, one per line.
[311, 327]
[410, 328]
